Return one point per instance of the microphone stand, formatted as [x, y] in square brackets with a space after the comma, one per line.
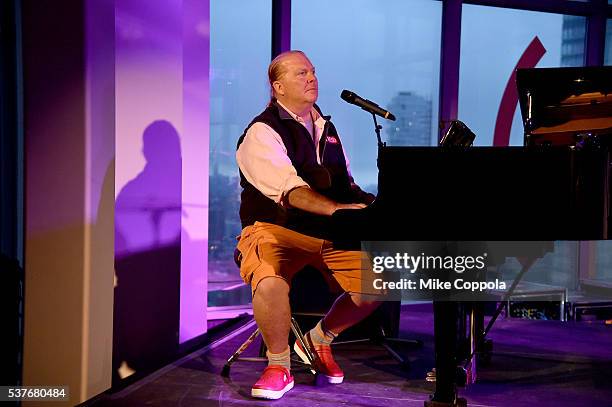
[392, 311]
[377, 128]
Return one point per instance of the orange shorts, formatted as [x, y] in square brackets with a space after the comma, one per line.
[270, 250]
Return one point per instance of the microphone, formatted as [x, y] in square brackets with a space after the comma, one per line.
[366, 104]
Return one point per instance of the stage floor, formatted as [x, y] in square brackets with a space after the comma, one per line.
[543, 363]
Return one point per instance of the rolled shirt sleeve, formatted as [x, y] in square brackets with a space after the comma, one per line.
[262, 158]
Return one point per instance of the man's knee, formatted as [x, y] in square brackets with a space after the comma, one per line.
[365, 300]
[272, 287]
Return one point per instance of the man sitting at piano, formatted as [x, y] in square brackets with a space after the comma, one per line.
[294, 176]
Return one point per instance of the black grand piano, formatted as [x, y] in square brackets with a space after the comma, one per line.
[556, 187]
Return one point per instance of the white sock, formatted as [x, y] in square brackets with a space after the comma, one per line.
[279, 359]
[321, 336]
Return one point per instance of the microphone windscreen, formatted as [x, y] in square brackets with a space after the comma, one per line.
[347, 95]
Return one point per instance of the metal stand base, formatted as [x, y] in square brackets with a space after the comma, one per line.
[386, 342]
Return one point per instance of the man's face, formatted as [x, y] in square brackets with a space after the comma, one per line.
[298, 85]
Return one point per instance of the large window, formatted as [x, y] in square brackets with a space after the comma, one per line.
[493, 40]
[492, 43]
[389, 54]
[240, 42]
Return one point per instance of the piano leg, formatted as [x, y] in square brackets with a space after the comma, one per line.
[484, 346]
[446, 318]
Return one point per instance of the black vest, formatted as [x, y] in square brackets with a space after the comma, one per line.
[330, 178]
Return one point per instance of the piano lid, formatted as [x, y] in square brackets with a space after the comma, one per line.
[559, 103]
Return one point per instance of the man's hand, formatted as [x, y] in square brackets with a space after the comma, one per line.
[309, 200]
[361, 195]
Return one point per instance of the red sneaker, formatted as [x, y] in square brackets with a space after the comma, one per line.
[274, 382]
[324, 362]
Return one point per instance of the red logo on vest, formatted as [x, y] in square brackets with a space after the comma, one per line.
[332, 140]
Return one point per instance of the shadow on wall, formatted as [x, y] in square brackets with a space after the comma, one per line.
[148, 258]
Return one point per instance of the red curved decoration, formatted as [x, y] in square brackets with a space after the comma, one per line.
[503, 124]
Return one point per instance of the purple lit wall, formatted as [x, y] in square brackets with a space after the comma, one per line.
[194, 238]
[161, 182]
